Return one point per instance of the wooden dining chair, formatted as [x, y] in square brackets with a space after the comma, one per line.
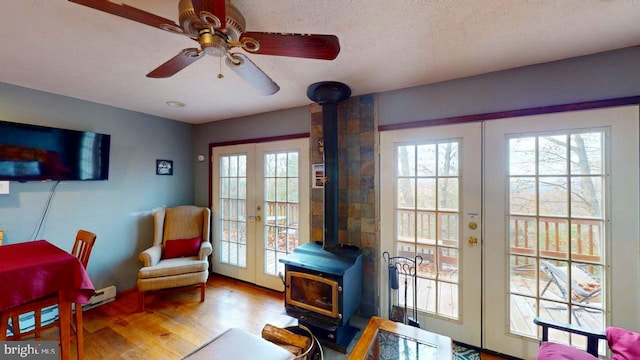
[82, 248]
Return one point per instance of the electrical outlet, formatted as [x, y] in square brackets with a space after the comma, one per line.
[4, 187]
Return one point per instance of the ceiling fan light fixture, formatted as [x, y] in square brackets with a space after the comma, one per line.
[213, 44]
[251, 73]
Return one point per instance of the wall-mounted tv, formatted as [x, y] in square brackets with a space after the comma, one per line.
[31, 152]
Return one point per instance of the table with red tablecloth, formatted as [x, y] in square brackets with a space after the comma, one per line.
[36, 269]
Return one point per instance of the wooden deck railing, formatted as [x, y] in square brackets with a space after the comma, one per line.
[585, 243]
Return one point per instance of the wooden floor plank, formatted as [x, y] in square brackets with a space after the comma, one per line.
[175, 323]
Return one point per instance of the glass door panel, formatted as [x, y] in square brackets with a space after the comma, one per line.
[233, 216]
[562, 212]
[261, 208]
[434, 194]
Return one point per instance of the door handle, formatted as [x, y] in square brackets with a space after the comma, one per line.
[473, 241]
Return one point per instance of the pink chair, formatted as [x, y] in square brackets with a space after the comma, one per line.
[624, 344]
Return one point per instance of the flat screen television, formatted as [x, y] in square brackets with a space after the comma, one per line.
[35, 153]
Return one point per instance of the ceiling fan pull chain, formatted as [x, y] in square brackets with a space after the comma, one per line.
[220, 76]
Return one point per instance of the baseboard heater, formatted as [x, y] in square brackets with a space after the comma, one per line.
[50, 314]
[101, 297]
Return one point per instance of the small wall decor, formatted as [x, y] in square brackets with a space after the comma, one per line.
[317, 174]
[164, 167]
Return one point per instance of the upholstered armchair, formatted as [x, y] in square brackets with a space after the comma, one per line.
[180, 253]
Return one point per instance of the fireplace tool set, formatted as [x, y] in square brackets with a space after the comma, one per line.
[405, 268]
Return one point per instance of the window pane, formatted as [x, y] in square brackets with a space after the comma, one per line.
[269, 165]
[525, 318]
[448, 262]
[242, 165]
[587, 154]
[553, 196]
[292, 190]
[426, 227]
[448, 194]
[269, 189]
[224, 166]
[523, 275]
[224, 188]
[292, 167]
[522, 156]
[448, 225]
[552, 155]
[233, 166]
[406, 191]
[587, 240]
[553, 280]
[281, 165]
[406, 160]
[554, 238]
[522, 235]
[426, 160]
[427, 268]
[522, 196]
[426, 194]
[448, 159]
[242, 188]
[587, 282]
[405, 225]
[448, 299]
[281, 189]
[586, 197]
[427, 295]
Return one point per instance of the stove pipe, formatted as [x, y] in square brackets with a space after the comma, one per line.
[328, 94]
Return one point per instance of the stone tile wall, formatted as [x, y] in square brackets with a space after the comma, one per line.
[357, 208]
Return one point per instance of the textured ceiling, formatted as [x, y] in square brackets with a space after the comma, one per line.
[72, 50]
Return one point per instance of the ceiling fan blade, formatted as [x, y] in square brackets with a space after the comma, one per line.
[127, 12]
[185, 58]
[252, 74]
[325, 47]
[216, 7]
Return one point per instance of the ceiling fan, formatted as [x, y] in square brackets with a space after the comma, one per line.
[218, 27]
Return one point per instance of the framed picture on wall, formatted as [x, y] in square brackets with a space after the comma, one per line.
[317, 174]
[164, 167]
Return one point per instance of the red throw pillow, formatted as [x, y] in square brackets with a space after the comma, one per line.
[181, 248]
[624, 344]
[554, 351]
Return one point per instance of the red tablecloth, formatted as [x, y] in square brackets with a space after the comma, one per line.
[35, 269]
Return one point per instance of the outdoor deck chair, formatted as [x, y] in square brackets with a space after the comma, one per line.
[584, 286]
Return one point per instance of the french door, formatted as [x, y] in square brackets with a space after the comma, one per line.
[552, 201]
[260, 208]
[431, 208]
[561, 225]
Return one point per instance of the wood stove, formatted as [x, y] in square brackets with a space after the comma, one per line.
[323, 281]
[324, 289]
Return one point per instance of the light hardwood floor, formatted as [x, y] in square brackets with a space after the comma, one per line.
[176, 323]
